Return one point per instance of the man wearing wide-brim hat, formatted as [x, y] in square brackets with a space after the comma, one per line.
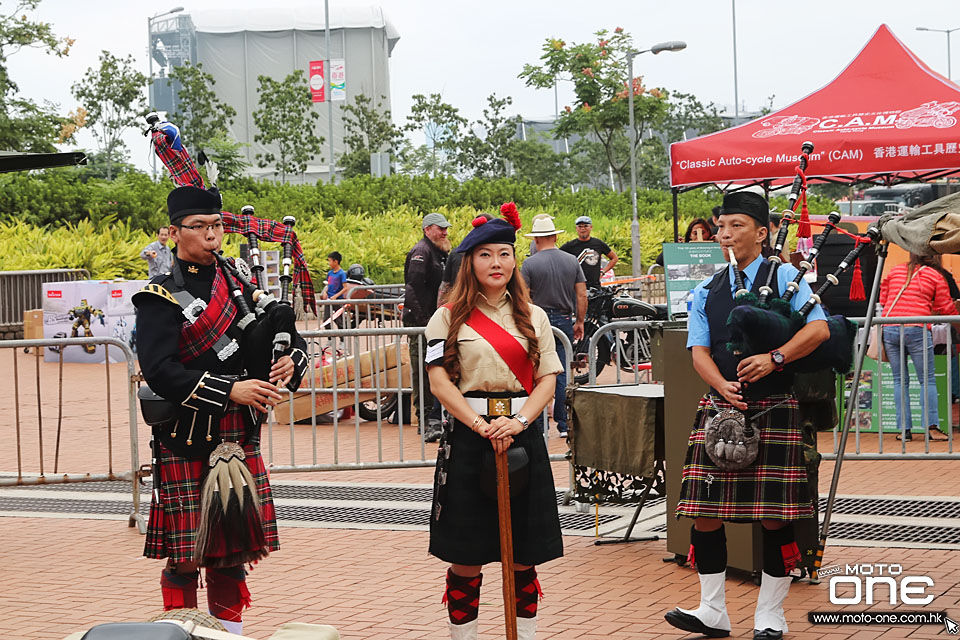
[558, 286]
[771, 489]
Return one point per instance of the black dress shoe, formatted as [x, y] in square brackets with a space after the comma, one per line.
[690, 623]
[767, 634]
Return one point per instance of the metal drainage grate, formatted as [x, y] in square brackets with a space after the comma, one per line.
[895, 533]
[894, 507]
[351, 493]
[881, 533]
[349, 515]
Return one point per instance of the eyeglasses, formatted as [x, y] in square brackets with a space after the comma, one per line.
[216, 226]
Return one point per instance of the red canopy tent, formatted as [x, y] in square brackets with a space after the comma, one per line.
[886, 118]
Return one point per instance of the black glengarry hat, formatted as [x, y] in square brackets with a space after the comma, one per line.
[189, 201]
[749, 204]
[496, 231]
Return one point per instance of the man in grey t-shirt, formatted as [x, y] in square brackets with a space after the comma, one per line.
[157, 254]
[558, 286]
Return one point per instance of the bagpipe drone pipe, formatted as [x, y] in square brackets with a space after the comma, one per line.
[760, 324]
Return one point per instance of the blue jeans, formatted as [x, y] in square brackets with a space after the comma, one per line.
[563, 322]
[922, 363]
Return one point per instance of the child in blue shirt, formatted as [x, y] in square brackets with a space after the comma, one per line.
[335, 279]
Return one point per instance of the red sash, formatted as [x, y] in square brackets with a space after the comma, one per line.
[506, 346]
[198, 337]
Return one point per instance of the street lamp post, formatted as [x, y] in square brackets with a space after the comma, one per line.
[150, 92]
[948, 32]
[673, 45]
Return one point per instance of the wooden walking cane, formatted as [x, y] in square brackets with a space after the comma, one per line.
[506, 546]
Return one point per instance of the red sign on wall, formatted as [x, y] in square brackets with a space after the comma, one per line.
[116, 293]
[54, 293]
[317, 83]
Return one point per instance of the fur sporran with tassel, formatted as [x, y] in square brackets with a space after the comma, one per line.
[231, 527]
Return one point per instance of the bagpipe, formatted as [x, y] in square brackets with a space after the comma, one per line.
[760, 324]
[268, 328]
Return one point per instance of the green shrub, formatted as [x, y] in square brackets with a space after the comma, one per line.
[56, 218]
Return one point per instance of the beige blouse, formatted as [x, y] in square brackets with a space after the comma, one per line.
[482, 368]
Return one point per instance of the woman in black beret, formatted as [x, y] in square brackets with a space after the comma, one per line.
[492, 363]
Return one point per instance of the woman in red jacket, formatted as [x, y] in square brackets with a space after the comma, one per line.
[914, 289]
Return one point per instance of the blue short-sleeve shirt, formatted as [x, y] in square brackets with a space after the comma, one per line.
[698, 330]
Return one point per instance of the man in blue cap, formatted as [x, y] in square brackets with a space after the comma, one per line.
[588, 251]
[422, 275]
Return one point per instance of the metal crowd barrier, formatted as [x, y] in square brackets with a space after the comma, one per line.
[22, 290]
[355, 313]
[946, 423]
[41, 476]
[362, 370]
[636, 349]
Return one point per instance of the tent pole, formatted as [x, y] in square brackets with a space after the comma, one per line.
[852, 404]
[676, 215]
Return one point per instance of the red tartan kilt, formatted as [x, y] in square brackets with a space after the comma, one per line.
[172, 528]
[773, 487]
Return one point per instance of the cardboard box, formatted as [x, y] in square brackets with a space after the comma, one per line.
[386, 379]
[383, 359]
[33, 324]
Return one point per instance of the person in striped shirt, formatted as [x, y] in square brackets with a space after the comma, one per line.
[914, 289]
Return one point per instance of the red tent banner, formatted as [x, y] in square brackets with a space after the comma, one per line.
[886, 117]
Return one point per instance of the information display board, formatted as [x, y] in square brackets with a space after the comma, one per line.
[876, 406]
[686, 265]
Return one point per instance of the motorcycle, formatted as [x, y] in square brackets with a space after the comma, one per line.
[606, 305]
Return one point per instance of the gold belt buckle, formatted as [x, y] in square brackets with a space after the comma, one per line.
[498, 407]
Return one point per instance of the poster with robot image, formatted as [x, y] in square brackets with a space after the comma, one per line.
[88, 308]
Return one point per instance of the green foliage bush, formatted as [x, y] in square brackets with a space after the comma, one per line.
[61, 218]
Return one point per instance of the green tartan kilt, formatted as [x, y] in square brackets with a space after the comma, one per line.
[773, 487]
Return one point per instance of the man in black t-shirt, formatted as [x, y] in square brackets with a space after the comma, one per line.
[588, 251]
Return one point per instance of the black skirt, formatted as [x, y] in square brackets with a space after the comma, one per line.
[467, 530]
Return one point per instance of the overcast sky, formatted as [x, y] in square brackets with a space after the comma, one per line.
[465, 51]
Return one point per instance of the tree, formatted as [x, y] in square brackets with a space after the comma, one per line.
[227, 153]
[204, 117]
[441, 123]
[24, 124]
[686, 113]
[599, 74]
[286, 118]
[206, 120]
[367, 129]
[113, 98]
[533, 160]
[486, 156]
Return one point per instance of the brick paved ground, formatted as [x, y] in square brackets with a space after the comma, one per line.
[62, 575]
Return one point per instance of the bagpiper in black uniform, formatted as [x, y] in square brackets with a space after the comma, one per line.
[192, 353]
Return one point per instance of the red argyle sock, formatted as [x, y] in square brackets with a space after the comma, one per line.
[227, 594]
[179, 589]
[462, 597]
[528, 592]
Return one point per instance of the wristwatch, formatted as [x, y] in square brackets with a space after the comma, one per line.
[778, 360]
[523, 421]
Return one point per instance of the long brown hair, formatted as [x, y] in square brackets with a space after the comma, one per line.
[461, 302]
[917, 261]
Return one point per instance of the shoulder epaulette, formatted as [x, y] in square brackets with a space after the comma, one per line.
[158, 290]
